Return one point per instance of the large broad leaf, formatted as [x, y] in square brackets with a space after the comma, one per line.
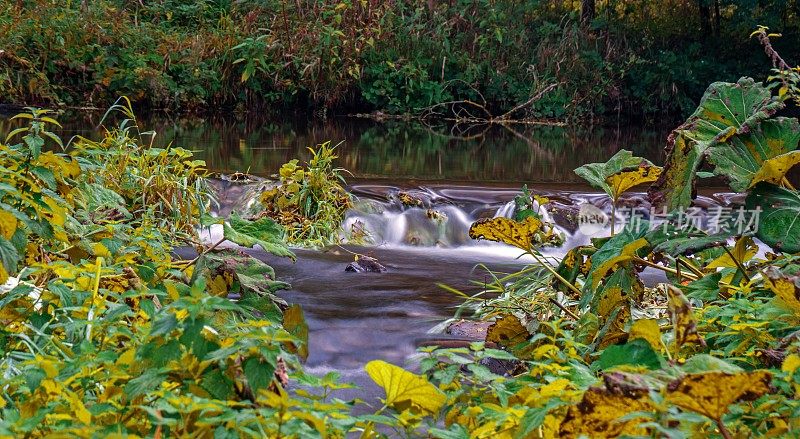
[606, 412]
[404, 389]
[726, 110]
[779, 219]
[763, 154]
[711, 393]
[264, 232]
[620, 173]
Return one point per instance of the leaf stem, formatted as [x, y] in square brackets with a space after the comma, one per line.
[722, 429]
[738, 264]
[193, 261]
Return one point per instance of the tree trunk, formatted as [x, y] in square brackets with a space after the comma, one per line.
[705, 17]
[717, 20]
[587, 12]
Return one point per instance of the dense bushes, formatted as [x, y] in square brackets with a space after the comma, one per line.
[641, 59]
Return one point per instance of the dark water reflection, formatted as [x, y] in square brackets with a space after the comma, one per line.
[395, 149]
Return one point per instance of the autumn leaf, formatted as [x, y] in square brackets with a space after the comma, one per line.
[620, 173]
[626, 179]
[507, 331]
[295, 323]
[505, 230]
[599, 413]
[403, 387]
[683, 320]
[711, 393]
[774, 169]
[743, 251]
[648, 330]
[786, 288]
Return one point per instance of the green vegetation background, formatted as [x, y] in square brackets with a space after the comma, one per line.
[642, 59]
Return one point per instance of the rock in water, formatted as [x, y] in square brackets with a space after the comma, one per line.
[365, 264]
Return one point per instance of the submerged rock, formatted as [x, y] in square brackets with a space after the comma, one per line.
[365, 264]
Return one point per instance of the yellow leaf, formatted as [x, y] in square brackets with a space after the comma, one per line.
[127, 357]
[403, 387]
[711, 393]
[773, 170]
[49, 367]
[791, 364]
[599, 412]
[101, 250]
[626, 179]
[744, 250]
[8, 224]
[518, 234]
[786, 289]
[507, 332]
[648, 330]
[77, 406]
[295, 323]
[683, 320]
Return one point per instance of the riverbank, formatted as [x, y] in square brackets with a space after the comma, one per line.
[326, 58]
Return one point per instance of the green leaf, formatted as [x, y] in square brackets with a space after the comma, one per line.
[726, 110]
[9, 258]
[263, 232]
[634, 353]
[779, 220]
[759, 155]
[258, 373]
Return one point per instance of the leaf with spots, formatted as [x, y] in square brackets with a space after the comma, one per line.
[607, 412]
[508, 332]
[519, 234]
[683, 320]
[726, 111]
[711, 393]
[765, 153]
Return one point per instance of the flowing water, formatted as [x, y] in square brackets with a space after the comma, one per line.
[463, 174]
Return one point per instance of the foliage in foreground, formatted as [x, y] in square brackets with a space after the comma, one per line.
[105, 333]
